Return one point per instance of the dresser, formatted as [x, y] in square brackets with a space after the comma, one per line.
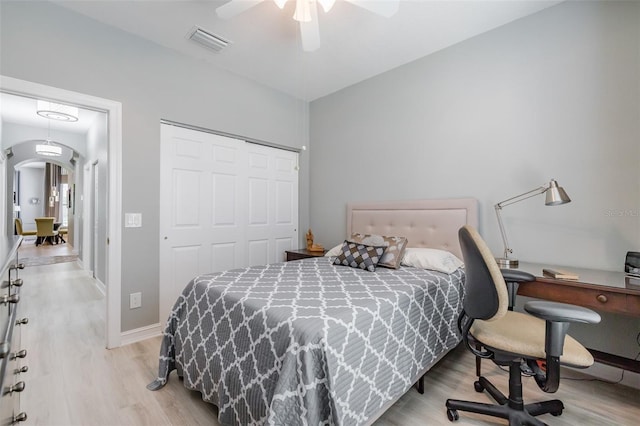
[12, 367]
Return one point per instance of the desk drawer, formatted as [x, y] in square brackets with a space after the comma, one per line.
[596, 299]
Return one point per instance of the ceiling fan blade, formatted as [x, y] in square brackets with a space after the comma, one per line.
[235, 7]
[386, 8]
[310, 31]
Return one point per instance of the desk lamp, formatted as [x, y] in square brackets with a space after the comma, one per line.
[555, 196]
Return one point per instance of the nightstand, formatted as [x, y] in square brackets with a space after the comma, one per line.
[303, 254]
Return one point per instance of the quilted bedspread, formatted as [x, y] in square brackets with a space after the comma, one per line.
[307, 342]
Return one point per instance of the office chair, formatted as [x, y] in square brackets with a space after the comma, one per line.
[508, 337]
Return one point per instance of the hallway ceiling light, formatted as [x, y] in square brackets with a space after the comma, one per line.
[48, 149]
[56, 111]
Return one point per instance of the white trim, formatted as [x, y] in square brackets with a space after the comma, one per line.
[114, 214]
[139, 334]
[610, 374]
[100, 286]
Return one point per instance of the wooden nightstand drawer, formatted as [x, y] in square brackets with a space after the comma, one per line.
[302, 254]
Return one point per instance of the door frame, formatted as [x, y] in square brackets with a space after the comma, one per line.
[114, 181]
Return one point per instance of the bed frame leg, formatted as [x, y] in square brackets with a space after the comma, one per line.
[420, 385]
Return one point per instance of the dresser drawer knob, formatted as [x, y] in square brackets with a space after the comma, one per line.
[602, 298]
[23, 321]
[20, 417]
[16, 266]
[17, 282]
[22, 369]
[14, 298]
[19, 354]
[18, 387]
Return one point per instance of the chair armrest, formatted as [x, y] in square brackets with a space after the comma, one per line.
[561, 312]
[557, 316]
[513, 278]
[517, 276]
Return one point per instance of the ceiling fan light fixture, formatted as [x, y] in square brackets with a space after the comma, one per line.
[303, 11]
[326, 4]
[280, 3]
[54, 111]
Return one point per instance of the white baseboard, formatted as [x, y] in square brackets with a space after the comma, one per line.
[101, 287]
[138, 334]
[613, 374]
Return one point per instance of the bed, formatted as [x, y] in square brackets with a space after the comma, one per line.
[310, 342]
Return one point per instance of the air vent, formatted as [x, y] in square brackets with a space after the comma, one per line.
[211, 41]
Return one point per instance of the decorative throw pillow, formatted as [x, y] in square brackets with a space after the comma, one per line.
[359, 256]
[334, 251]
[434, 259]
[395, 247]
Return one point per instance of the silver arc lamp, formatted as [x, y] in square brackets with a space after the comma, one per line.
[555, 195]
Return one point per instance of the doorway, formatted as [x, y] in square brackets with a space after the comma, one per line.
[114, 187]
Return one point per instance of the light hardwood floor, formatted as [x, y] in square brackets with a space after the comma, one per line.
[73, 380]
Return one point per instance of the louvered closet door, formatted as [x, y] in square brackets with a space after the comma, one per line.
[224, 204]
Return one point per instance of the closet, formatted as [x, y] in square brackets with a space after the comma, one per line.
[225, 203]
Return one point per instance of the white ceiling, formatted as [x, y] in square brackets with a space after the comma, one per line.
[22, 110]
[355, 44]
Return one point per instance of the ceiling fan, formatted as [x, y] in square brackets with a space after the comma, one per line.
[307, 14]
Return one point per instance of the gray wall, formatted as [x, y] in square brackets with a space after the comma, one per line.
[552, 95]
[67, 50]
[31, 186]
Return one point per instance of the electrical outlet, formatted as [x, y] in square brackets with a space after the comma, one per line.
[135, 300]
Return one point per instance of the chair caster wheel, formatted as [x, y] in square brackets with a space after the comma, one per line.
[452, 415]
[556, 413]
[478, 386]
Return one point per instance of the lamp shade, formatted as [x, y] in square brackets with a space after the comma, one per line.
[556, 195]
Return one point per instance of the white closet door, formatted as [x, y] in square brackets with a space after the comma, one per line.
[272, 204]
[224, 204]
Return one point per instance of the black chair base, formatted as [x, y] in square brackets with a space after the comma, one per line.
[511, 408]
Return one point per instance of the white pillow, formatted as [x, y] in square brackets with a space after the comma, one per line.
[434, 259]
[334, 251]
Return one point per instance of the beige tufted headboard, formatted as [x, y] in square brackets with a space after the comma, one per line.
[425, 223]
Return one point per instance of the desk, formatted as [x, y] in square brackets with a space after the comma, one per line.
[600, 290]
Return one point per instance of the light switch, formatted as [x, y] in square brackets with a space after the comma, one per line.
[133, 220]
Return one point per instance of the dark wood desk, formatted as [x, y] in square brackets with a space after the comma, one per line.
[605, 291]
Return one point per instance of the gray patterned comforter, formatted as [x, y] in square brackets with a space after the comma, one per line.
[307, 342]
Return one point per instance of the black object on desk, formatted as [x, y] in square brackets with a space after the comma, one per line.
[632, 263]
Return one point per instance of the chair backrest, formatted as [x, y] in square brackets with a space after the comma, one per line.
[44, 226]
[486, 296]
[18, 226]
